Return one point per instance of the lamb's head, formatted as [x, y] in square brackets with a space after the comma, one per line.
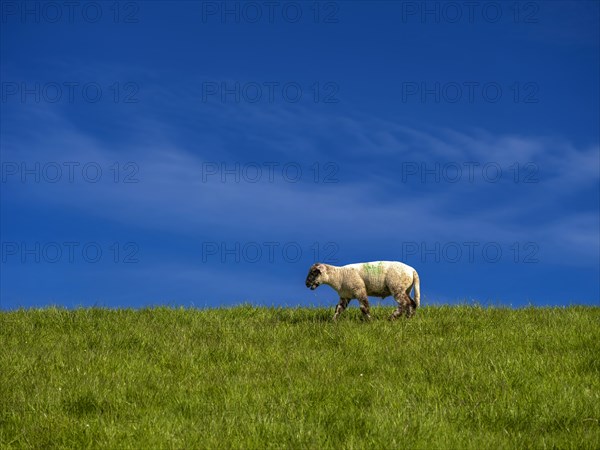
[317, 275]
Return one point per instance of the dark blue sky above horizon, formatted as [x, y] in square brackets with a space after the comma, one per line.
[207, 153]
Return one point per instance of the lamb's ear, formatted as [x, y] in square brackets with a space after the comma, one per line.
[316, 268]
[320, 267]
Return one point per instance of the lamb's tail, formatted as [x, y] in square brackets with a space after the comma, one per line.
[417, 288]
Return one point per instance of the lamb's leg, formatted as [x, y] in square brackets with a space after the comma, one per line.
[412, 305]
[405, 305]
[397, 313]
[364, 306]
[341, 306]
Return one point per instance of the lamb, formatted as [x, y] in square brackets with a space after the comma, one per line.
[376, 279]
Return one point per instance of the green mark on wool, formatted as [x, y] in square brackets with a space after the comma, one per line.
[373, 269]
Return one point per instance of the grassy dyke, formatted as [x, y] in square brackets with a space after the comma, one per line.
[245, 377]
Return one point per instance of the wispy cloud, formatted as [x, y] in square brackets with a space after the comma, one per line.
[172, 196]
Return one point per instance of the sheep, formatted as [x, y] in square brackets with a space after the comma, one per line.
[376, 279]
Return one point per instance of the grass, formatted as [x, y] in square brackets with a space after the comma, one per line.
[244, 377]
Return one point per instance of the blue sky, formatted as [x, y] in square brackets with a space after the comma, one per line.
[207, 153]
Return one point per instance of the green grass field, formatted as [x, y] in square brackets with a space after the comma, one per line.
[244, 377]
